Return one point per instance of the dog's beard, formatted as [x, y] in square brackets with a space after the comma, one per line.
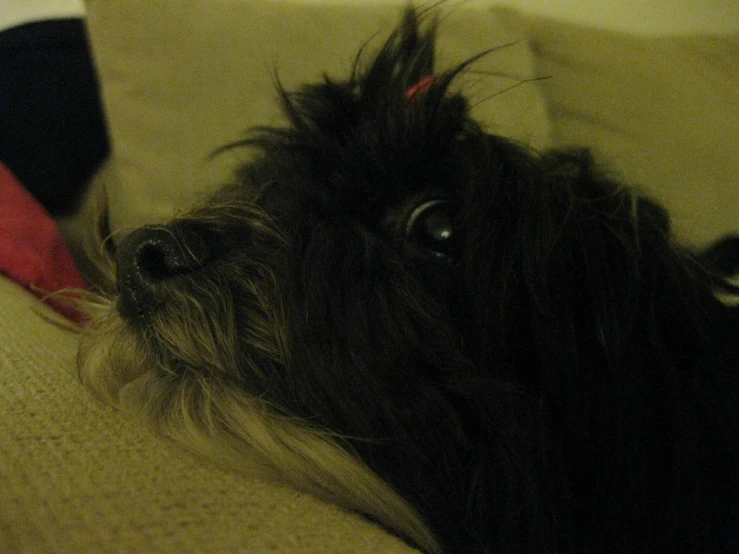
[217, 420]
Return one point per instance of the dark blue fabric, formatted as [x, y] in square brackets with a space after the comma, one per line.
[52, 130]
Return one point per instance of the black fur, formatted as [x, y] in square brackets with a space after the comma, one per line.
[556, 376]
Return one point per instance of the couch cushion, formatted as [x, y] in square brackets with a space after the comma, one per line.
[663, 111]
[76, 477]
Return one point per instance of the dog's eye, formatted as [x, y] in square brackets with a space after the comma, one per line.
[430, 226]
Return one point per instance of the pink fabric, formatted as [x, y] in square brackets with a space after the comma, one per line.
[32, 250]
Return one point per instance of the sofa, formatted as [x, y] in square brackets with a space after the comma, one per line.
[180, 79]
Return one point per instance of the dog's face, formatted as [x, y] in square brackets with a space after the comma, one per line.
[332, 280]
[333, 290]
[390, 307]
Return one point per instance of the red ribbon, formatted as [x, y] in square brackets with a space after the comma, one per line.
[420, 88]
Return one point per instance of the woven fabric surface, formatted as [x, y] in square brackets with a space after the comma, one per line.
[75, 476]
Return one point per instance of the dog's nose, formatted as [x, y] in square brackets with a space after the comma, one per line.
[147, 258]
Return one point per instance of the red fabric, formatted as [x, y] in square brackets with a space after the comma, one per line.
[32, 251]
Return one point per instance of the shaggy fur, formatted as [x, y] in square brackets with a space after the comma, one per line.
[480, 347]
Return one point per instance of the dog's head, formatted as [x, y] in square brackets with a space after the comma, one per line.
[388, 291]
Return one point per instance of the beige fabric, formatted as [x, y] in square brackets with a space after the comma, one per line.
[663, 111]
[182, 78]
[75, 477]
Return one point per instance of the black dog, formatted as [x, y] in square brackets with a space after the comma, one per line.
[482, 348]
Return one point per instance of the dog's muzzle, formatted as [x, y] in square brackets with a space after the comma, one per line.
[149, 257]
